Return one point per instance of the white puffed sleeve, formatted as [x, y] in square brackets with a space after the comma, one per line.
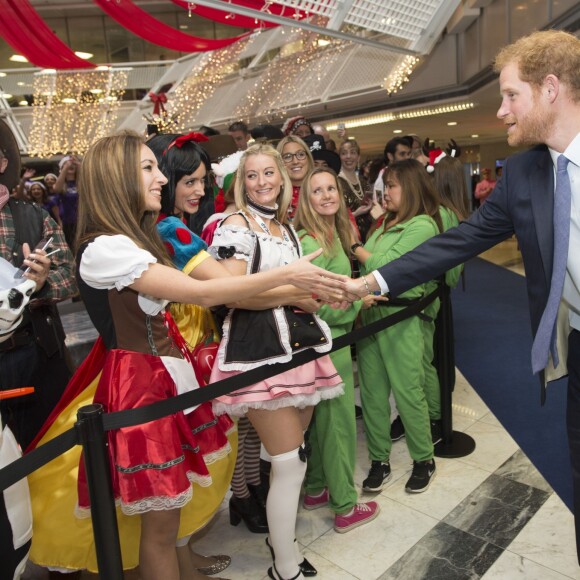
[232, 241]
[113, 262]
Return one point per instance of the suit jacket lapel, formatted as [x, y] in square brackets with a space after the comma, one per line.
[541, 184]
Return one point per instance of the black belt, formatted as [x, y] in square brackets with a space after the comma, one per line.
[18, 339]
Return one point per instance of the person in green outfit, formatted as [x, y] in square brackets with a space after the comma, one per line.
[392, 359]
[322, 222]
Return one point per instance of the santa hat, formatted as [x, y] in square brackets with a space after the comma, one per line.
[291, 124]
[435, 155]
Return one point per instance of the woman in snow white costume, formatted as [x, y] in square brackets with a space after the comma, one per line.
[126, 281]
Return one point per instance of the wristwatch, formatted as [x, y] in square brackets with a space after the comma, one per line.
[355, 246]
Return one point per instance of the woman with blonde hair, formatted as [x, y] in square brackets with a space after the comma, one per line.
[126, 280]
[298, 162]
[322, 222]
[257, 238]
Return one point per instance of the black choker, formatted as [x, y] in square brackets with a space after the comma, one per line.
[261, 210]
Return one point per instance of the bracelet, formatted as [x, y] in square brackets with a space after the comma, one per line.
[367, 285]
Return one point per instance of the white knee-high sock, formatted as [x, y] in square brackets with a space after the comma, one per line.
[288, 471]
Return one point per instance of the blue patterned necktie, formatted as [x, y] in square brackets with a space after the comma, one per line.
[545, 339]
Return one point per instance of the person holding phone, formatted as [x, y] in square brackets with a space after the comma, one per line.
[35, 355]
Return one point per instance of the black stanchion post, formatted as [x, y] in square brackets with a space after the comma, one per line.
[93, 439]
[454, 443]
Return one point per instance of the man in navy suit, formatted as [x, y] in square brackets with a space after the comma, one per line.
[540, 90]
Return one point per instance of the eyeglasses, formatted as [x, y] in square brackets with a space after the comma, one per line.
[288, 157]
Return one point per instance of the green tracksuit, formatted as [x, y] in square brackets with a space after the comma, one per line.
[332, 432]
[393, 358]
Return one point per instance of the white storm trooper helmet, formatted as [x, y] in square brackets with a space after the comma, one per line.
[14, 296]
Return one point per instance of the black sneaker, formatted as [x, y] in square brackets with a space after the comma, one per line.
[379, 474]
[421, 477]
[397, 429]
[436, 431]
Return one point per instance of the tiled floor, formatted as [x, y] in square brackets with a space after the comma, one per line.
[488, 515]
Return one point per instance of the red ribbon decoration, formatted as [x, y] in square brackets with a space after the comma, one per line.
[26, 32]
[139, 22]
[158, 100]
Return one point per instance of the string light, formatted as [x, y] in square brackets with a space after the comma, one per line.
[400, 75]
[203, 80]
[72, 109]
[293, 79]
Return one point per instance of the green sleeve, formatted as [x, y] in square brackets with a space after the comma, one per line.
[332, 316]
[417, 231]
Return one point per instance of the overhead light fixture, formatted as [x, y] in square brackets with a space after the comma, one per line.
[96, 91]
[47, 71]
[452, 123]
[475, 136]
[397, 130]
[23, 103]
[18, 58]
[409, 114]
[323, 42]
[69, 100]
[103, 67]
[84, 55]
[6, 95]
[2, 74]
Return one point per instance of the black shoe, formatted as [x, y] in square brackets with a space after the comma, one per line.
[397, 429]
[307, 569]
[259, 494]
[358, 412]
[421, 477]
[247, 509]
[379, 474]
[273, 573]
[436, 431]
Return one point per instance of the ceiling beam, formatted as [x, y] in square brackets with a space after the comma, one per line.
[339, 15]
[251, 13]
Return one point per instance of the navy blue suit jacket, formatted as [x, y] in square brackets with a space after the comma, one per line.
[521, 203]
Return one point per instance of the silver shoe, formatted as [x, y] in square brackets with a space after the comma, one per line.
[221, 563]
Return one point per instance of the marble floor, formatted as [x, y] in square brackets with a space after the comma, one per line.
[488, 515]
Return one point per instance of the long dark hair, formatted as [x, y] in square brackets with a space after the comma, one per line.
[450, 183]
[419, 196]
[175, 162]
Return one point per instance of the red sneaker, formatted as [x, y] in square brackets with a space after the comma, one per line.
[313, 502]
[361, 514]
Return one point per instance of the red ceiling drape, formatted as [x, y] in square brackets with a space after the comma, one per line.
[145, 26]
[243, 21]
[25, 31]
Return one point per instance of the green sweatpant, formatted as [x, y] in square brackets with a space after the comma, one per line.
[332, 435]
[392, 360]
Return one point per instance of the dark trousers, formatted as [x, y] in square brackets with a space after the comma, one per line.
[28, 366]
[573, 423]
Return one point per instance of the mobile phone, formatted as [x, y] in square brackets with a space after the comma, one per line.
[42, 245]
[340, 126]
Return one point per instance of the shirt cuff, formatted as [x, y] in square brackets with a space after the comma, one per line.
[381, 282]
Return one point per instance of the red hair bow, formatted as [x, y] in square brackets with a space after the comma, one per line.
[158, 100]
[181, 141]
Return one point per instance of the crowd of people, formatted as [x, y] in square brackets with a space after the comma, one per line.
[257, 245]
